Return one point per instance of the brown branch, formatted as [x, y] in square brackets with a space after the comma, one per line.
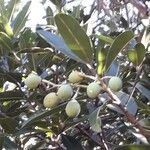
[130, 118]
[84, 132]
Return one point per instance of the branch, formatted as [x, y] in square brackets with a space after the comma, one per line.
[130, 118]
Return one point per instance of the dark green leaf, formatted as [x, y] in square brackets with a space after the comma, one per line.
[130, 105]
[145, 123]
[5, 41]
[11, 95]
[11, 76]
[114, 69]
[27, 39]
[75, 37]
[95, 120]
[8, 124]
[71, 143]
[11, 6]
[119, 43]
[58, 3]
[21, 19]
[144, 91]
[133, 147]
[8, 144]
[41, 114]
[137, 54]
[1, 141]
[58, 43]
[49, 15]
[145, 111]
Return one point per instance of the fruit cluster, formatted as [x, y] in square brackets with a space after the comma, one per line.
[65, 91]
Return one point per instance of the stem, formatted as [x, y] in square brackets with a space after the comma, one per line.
[58, 85]
[33, 61]
[139, 69]
[50, 83]
[84, 132]
[130, 118]
[87, 76]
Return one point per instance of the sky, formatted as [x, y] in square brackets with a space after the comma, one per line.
[38, 10]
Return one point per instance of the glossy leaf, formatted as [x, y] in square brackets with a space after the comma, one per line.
[58, 43]
[11, 95]
[146, 37]
[71, 143]
[75, 37]
[8, 124]
[133, 147]
[145, 123]
[95, 120]
[1, 141]
[105, 39]
[11, 6]
[59, 3]
[41, 114]
[130, 105]
[8, 29]
[27, 39]
[114, 69]
[137, 54]
[9, 144]
[49, 14]
[144, 91]
[21, 19]
[5, 41]
[119, 43]
[101, 59]
[11, 76]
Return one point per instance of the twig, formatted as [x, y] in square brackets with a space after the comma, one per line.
[50, 83]
[84, 132]
[136, 81]
[128, 116]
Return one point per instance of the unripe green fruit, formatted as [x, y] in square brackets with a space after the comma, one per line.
[93, 90]
[73, 109]
[75, 77]
[51, 100]
[33, 80]
[115, 84]
[65, 92]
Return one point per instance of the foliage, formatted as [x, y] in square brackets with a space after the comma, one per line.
[53, 52]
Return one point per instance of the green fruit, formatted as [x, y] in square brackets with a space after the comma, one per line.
[73, 109]
[65, 92]
[93, 90]
[33, 80]
[115, 84]
[75, 77]
[51, 100]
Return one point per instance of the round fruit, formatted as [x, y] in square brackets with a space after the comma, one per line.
[75, 77]
[33, 80]
[115, 84]
[93, 90]
[51, 100]
[65, 92]
[73, 109]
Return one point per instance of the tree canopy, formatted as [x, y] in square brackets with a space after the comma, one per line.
[80, 81]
